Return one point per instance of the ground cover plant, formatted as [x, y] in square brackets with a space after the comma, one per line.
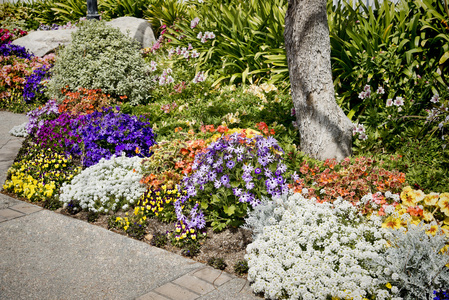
[197, 153]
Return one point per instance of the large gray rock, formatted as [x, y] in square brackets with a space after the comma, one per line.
[44, 42]
[138, 29]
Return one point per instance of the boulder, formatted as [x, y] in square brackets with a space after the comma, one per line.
[41, 43]
[138, 29]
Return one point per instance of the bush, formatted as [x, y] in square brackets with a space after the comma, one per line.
[109, 185]
[101, 57]
[231, 175]
[39, 173]
[108, 132]
[310, 250]
[415, 262]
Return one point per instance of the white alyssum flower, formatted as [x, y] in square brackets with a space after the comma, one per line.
[308, 250]
[19, 130]
[108, 185]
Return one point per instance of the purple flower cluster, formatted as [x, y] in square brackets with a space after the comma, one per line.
[58, 134]
[250, 167]
[110, 132]
[33, 87]
[8, 49]
[37, 117]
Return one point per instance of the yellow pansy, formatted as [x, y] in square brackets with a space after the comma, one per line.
[408, 197]
[433, 230]
[431, 199]
[443, 203]
[392, 222]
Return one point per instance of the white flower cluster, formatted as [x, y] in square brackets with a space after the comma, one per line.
[109, 185]
[310, 250]
[165, 78]
[207, 36]
[19, 130]
[199, 77]
[359, 129]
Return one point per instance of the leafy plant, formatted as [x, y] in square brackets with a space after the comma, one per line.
[217, 263]
[101, 57]
[159, 240]
[236, 172]
[241, 267]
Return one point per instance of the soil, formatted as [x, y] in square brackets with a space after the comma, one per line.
[229, 244]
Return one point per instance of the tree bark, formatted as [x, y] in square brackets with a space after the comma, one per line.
[325, 131]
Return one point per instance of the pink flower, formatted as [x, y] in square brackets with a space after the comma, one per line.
[389, 102]
[398, 101]
[194, 22]
[380, 90]
[435, 98]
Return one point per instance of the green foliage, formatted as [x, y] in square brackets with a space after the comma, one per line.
[391, 45]
[118, 8]
[247, 33]
[234, 107]
[217, 263]
[59, 12]
[159, 240]
[168, 12]
[241, 267]
[101, 57]
[17, 15]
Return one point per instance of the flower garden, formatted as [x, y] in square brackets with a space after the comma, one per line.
[199, 133]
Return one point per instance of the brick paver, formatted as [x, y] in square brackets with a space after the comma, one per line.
[152, 296]
[26, 208]
[8, 214]
[212, 276]
[195, 284]
[175, 292]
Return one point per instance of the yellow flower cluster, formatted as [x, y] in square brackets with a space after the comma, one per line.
[39, 174]
[261, 90]
[415, 207]
[25, 185]
[250, 133]
[152, 202]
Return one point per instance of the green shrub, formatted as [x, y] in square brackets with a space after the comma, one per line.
[101, 57]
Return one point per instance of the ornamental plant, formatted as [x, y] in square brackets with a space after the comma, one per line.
[59, 134]
[416, 207]
[39, 173]
[415, 263]
[351, 179]
[9, 49]
[171, 160]
[101, 57]
[13, 73]
[7, 36]
[110, 132]
[84, 101]
[109, 185]
[230, 176]
[309, 250]
[35, 84]
[38, 116]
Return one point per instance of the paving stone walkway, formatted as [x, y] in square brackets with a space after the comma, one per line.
[46, 255]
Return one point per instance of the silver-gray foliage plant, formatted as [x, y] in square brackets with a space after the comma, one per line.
[415, 262]
[101, 57]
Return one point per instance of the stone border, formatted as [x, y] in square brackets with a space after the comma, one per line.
[190, 286]
[17, 211]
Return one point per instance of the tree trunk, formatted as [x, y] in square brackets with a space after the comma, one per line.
[324, 129]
